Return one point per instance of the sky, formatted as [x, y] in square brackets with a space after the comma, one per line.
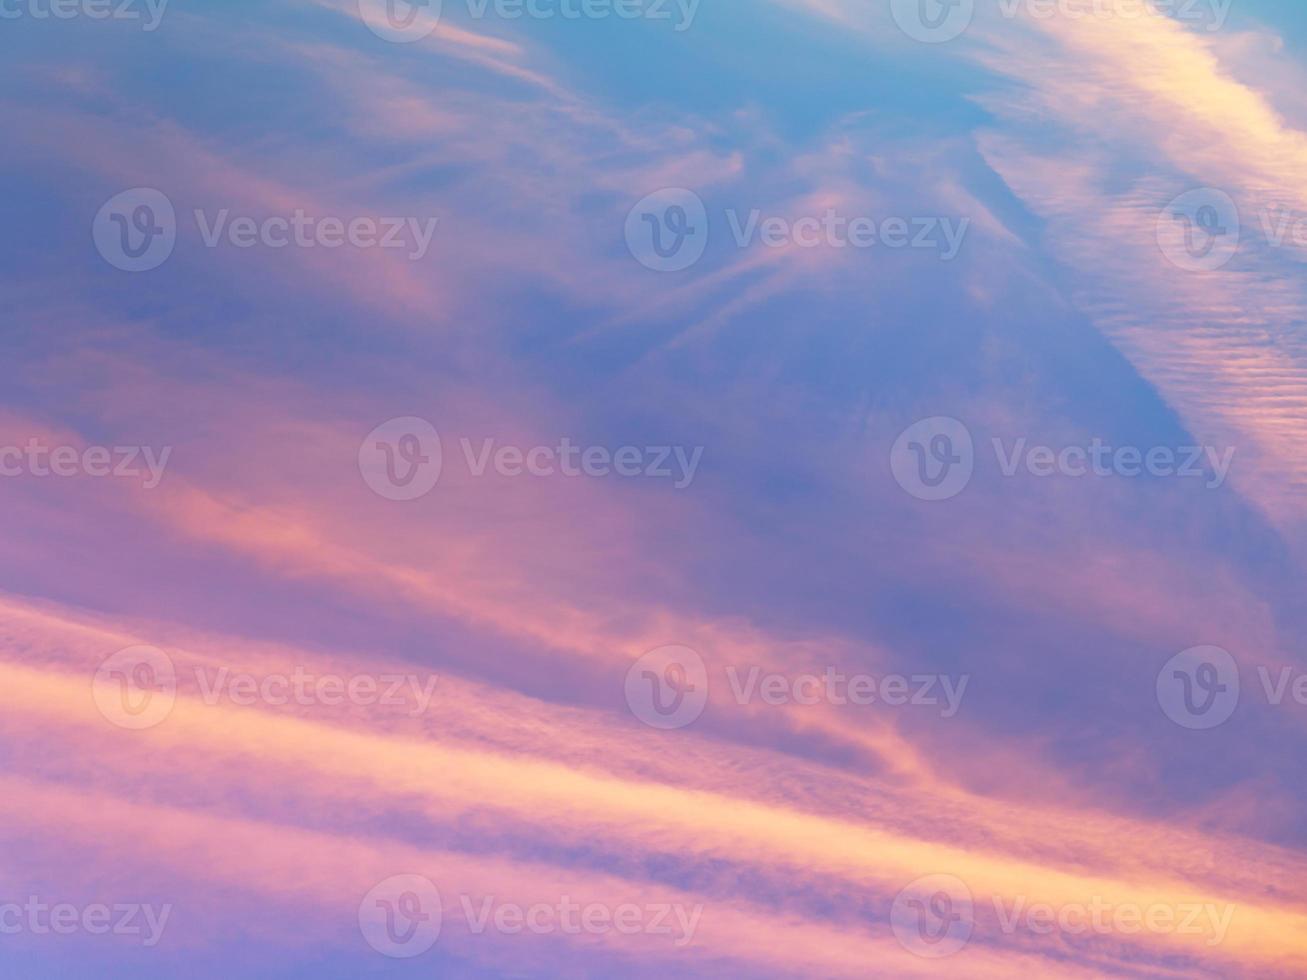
[625, 488]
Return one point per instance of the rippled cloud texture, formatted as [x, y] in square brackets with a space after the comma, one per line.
[596, 488]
